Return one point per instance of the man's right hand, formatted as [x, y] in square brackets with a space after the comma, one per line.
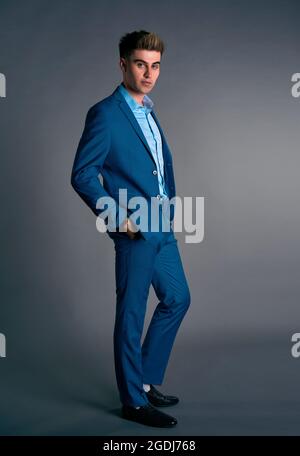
[129, 227]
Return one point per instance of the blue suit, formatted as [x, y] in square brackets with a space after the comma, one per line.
[113, 145]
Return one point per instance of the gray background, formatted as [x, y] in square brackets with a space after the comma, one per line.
[223, 99]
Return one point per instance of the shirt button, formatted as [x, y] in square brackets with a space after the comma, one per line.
[158, 196]
[154, 172]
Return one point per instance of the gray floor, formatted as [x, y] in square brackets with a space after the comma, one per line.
[227, 386]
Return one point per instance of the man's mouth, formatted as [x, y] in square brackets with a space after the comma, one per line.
[146, 82]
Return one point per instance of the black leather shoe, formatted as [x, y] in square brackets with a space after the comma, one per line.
[160, 400]
[148, 415]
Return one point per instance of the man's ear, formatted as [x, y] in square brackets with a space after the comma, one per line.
[123, 64]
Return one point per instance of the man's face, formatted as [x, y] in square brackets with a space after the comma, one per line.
[142, 66]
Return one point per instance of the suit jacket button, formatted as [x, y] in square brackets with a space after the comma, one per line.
[154, 172]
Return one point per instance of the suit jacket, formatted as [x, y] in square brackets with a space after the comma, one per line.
[113, 145]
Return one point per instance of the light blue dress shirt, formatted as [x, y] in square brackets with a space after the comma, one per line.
[151, 132]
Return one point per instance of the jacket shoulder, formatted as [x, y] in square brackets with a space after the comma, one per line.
[104, 106]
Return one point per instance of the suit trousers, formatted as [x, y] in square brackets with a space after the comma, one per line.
[138, 264]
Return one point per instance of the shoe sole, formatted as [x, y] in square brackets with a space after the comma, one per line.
[162, 405]
[148, 424]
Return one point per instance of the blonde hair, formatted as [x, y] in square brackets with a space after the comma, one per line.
[140, 40]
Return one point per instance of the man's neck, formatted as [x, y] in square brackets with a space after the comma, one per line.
[138, 98]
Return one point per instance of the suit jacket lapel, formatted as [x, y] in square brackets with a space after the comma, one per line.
[130, 116]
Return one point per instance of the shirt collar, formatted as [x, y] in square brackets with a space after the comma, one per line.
[134, 105]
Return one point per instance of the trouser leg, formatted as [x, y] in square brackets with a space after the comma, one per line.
[171, 288]
[134, 263]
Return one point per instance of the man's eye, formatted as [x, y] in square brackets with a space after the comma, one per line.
[154, 66]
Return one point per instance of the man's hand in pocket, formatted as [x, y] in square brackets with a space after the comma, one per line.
[130, 227]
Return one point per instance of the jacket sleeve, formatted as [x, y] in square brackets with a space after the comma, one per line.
[90, 156]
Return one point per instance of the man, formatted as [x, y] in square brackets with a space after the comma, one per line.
[123, 141]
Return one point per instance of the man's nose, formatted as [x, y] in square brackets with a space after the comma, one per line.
[147, 73]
